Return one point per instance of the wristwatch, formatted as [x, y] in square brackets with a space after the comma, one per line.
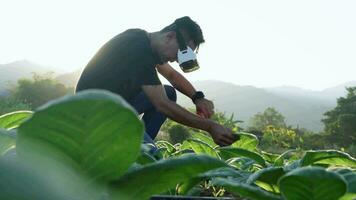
[197, 95]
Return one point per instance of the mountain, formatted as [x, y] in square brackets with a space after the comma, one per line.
[246, 101]
[11, 72]
[327, 95]
[338, 90]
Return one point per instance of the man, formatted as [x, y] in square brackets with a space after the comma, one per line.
[127, 65]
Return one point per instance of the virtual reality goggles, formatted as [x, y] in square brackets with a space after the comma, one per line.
[187, 58]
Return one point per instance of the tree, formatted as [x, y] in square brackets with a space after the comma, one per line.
[269, 117]
[10, 104]
[38, 90]
[340, 122]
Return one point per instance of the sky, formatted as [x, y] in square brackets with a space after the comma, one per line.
[305, 43]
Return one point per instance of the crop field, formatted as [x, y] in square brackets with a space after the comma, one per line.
[89, 146]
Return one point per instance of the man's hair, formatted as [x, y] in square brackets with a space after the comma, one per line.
[190, 29]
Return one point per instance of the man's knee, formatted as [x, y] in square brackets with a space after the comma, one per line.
[171, 92]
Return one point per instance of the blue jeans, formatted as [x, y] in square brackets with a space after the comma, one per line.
[152, 118]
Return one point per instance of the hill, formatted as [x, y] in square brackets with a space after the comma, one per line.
[246, 101]
[11, 72]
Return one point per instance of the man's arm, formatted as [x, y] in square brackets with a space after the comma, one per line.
[156, 93]
[178, 81]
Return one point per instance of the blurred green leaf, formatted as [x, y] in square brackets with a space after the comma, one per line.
[312, 183]
[267, 178]
[200, 147]
[161, 176]
[6, 142]
[14, 119]
[330, 157]
[231, 152]
[247, 141]
[94, 131]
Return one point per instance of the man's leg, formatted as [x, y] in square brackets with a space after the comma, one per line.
[152, 118]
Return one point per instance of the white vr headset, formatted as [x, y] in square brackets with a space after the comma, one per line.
[187, 58]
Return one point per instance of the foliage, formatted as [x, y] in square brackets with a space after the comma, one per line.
[10, 104]
[269, 117]
[38, 90]
[279, 138]
[88, 146]
[340, 121]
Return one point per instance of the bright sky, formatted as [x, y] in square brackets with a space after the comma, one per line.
[305, 43]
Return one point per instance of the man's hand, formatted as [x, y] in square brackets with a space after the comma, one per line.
[204, 107]
[221, 135]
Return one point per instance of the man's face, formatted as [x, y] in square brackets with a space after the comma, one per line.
[171, 47]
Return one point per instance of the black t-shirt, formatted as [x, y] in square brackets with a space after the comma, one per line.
[122, 65]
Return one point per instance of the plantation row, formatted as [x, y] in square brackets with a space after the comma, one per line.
[88, 146]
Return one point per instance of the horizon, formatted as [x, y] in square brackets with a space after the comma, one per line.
[309, 45]
[164, 81]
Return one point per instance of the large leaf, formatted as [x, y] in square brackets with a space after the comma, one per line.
[18, 181]
[159, 177]
[6, 142]
[312, 183]
[267, 178]
[330, 157]
[13, 119]
[247, 141]
[231, 152]
[200, 147]
[245, 190]
[93, 131]
[350, 177]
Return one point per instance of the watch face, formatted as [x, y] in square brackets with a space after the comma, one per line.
[199, 95]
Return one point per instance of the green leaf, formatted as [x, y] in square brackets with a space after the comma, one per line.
[288, 155]
[312, 183]
[330, 157]
[350, 177]
[145, 158]
[185, 187]
[348, 196]
[224, 172]
[267, 178]
[231, 152]
[14, 119]
[164, 144]
[200, 147]
[204, 138]
[94, 131]
[247, 141]
[18, 181]
[6, 142]
[161, 176]
[269, 157]
[244, 190]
